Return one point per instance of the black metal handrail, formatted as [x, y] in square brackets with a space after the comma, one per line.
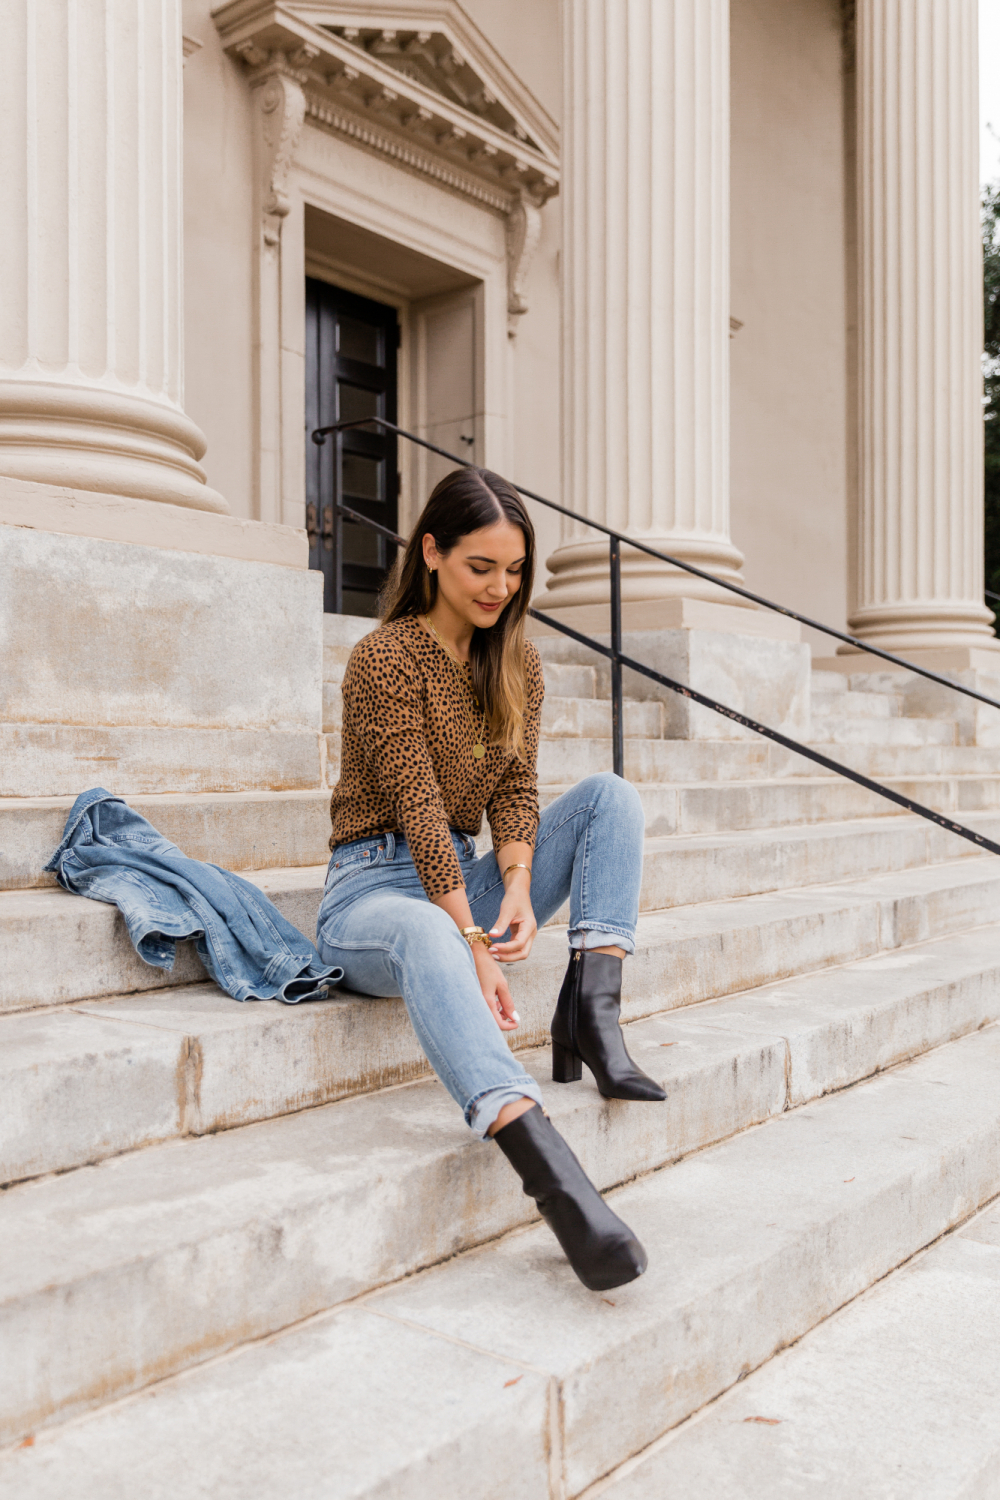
[319, 437]
[618, 660]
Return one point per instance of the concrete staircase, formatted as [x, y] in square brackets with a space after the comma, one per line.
[253, 1249]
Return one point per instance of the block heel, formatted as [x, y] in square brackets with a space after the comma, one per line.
[566, 1066]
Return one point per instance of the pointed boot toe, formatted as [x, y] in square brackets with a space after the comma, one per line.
[638, 1085]
[624, 1264]
[586, 1028]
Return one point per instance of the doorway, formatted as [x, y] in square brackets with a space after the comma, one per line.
[352, 344]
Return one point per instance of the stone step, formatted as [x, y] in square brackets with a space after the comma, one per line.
[564, 762]
[711, 807]
[857, 705]
[562, 679]
[568, 680]
[333, 707]
[88, 1081]
[843, 729]
[60, 948]
[238, 830]
[265, 830]
[923, 1425]
[341, 634]
[108, 1076]
[573, 715]
[590, 718]
[570, 760]
[827, 682]
[154, 1231]
[882, 761]
[354, 1406]
[39, 760]
[646, 760]
[687, 869]
[752, 1243]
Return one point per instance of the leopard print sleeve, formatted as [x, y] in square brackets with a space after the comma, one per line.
[513, 808]
[385, 711]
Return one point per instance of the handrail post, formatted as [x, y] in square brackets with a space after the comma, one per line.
[617, 724]
[338, 527]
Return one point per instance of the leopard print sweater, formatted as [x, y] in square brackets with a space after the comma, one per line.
[408, 731]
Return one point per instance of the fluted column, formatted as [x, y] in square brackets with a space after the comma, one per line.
[91, 353]
[645, 369]
[919, 570]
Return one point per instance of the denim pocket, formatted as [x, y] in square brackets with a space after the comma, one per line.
[352, 861]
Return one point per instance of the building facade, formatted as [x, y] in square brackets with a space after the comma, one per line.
[705, 270]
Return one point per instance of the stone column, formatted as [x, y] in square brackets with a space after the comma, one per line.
[918, 582]
[645, 193]
[91, 353]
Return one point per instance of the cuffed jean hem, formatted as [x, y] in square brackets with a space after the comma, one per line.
[481, 1112]
[588, 935]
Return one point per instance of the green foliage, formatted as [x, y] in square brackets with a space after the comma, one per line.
[991, 372]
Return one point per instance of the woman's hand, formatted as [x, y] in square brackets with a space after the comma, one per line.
[515, 913]
[494, 988]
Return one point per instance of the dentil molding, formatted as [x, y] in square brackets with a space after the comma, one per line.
[426, 91]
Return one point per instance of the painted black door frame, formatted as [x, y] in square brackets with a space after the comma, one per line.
[352, 347]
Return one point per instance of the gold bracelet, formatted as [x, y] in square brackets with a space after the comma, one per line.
[476, 935]
[506, 872]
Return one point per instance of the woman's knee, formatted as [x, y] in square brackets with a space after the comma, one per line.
[611, 794]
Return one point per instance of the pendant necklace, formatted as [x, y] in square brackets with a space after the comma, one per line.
[478, 748]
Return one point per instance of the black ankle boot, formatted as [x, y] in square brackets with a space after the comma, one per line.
[601, 1249]
[586, 1029]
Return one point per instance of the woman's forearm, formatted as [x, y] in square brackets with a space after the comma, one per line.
[515, 855]
[456, 904]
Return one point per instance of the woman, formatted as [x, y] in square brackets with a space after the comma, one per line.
[442, 706]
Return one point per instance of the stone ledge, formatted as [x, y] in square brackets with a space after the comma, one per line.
[909, 1370]
[249, 830]
[60, 949]
[62, 760]
[751, 1244]
[326, 1204]
[148, 523]
[109, 1076]
[669, 614]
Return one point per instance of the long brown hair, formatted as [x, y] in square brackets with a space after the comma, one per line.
[467, 500]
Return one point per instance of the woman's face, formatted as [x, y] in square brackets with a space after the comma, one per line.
[481, 573]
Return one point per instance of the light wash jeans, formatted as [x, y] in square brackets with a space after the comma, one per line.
[377, 924]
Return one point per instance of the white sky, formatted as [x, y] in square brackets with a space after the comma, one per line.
[989, 89]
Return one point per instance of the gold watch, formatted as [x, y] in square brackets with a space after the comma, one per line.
[476, 935]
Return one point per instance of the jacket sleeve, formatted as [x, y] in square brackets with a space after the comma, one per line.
[513, 808]
[384, 705]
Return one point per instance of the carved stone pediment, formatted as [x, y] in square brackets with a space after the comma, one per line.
[416, 82]
[430, 58]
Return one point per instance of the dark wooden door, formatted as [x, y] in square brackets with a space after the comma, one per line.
[351, 357]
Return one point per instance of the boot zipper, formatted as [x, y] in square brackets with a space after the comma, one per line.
[574, 998]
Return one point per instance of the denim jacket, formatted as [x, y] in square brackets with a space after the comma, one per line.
[110, 853]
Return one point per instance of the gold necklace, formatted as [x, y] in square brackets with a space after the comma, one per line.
[478, 748]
